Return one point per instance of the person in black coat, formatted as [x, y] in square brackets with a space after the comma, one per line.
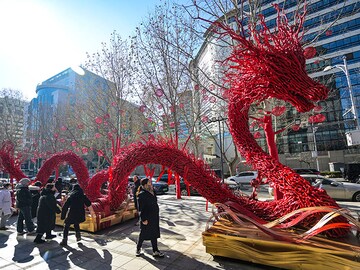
[149, 217]
[46, 213]
[35, 192]
[134, 192]
[73, 212]
[23, 203]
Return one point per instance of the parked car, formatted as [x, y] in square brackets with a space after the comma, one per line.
[159, 187]
[244, 178]
[306, 171]
[335, 189]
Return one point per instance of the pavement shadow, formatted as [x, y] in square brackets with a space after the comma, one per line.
[52, 253]
[4, 237]
[23, 250]
[87, 257]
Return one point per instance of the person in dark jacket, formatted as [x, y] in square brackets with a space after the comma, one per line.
[46, 213]
[73, 212]
[134, 192]
[23, 203]
[35, 194]
[149, 217]
[59, 187]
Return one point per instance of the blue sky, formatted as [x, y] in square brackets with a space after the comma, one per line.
[40, 38]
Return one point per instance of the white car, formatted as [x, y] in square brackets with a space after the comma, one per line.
[335, 189]
[244, 177]
[230, 183]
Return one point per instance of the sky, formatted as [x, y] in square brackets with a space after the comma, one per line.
[41, 38]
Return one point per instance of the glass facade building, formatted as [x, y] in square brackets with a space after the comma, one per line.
[333, 28]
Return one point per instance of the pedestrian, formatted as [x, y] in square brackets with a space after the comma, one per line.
[134, 192]
[35, 194]
[46, 214]
[5, 204]
[73, 212]
[149, 217]
[23, 203]
[59, 187]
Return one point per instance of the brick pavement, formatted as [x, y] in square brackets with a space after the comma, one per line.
[182, 222]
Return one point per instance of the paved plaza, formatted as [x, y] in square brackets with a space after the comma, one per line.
[182, 222]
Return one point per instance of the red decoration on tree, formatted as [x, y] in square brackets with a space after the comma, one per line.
[212, 99]
[328, 32]
[318, 108]
[278, 110]
[62, 140]
[172, 124]
[181, 105]
[63, 128]
[196, 87]
[309, 52]
[159, 92]
[257, 135]
[142, 108]
[106, 116]
[295, 127]
[204, 119]
[56, 135]
[114, 104]
[98, 120]
[84, 150]
[97, 135]
[80, 126]
[73, 143]
[318, 118]
[100, 153]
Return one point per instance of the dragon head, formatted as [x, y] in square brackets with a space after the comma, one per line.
[271, 64]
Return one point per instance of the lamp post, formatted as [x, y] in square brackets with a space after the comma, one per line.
[315, 153]
[219, 119]
[344, 68]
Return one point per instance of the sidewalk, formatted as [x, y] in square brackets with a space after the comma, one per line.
[182, 222]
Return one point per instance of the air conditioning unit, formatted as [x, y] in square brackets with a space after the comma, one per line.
[353, 137]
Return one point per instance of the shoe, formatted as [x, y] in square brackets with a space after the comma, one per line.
[21, 233]
[63, 243]
[158, 254]
[139, 252]
[32, 232]
[39, 241]
[51, 236]
[4, 228]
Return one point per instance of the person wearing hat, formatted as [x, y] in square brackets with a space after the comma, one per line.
[23, 203]
[73, 212]
[149, 217]
[35, 192]
[46, 214]
[5, 204]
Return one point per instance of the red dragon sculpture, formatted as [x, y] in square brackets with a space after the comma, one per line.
[262, 65]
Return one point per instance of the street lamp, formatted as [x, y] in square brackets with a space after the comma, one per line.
[219, 119]
[315, 152]
[344, 68]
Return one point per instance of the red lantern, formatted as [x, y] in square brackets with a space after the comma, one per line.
[97, 135]
[107, 116]
[309, 52]
[212, 87]
[205, 97]
[160, 106]
[159, 92]
[317, 108]
[213, 99]
[203, 91]
[172, 108]
[56, 135]
[113, 104]
[328, 32]
[98, 120]
[257, 135]
[295, 127]
[172, 124]
[196, 87]
[278, 110]
[73, 143]
[204, 119]
[181, 105]
[84, 150]
[110, 135]
[142, 108]
[62, 140]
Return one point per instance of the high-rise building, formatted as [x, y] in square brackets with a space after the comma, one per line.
[333, 28]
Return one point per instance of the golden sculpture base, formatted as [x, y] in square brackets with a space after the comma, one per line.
[253, 245]
[126, 212]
